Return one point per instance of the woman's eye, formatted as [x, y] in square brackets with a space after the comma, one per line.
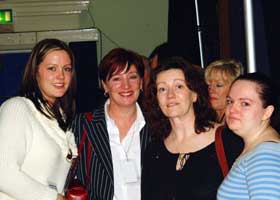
[116, 79]
[161, 90]
[219, 85]
[133, 77]
[51, 68]
[229, 101]
[68, 69]
[245, 104]
[180, 87]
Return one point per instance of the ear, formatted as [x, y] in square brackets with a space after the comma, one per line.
[104, 86]
[268, 112]
[194, 97]
[141, 84]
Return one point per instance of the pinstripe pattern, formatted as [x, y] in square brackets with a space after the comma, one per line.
[255, 175]
[101, 186]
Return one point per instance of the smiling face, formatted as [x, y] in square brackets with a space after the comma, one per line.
[245, 113]
[54, 75]
[174, 97]
[124, 87]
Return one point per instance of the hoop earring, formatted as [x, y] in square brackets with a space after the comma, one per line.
[106, 94]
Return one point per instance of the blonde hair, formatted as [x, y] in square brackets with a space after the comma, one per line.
[229, 68]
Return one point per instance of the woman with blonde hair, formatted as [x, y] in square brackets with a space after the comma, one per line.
[219, 75]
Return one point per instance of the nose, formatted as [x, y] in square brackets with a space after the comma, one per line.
[126, 83]
[171, 93]
[232, 108]
[211, 88]
[60, 74]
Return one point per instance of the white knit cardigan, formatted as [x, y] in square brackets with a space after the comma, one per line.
[33, 152]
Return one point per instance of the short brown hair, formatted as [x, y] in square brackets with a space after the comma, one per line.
[117, 60]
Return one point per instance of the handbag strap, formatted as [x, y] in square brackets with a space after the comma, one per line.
[89, 117]
[220, 151]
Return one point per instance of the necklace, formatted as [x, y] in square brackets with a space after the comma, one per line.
[181, 161]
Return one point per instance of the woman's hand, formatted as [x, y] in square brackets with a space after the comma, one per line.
[60, 197]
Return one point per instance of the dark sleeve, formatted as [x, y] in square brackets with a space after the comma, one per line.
[233, 145]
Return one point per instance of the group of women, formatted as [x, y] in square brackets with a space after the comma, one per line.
[164, 150]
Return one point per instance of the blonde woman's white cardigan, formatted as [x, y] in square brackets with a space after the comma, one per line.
[33, 152]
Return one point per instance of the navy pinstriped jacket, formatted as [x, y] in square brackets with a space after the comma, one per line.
[101, 183]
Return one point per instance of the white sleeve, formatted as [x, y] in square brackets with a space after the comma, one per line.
[15, 135]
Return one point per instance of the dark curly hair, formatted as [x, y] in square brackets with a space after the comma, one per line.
[205, 115]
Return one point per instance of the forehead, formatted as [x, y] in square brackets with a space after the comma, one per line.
[125, 69]
[244, 89]
[170, 75]
[56, 53]
[217, 76]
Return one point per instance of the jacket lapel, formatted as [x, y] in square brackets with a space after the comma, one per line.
[99, 140]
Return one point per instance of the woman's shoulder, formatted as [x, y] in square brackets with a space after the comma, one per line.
[265, 156]
[155, 146]
[17, 103]
[16, 109]
[266, 152]
[94, 115]
[266, 149]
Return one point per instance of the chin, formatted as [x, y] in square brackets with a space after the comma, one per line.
[130, 103]
[233, 126]
[59, 95]
[214, 106]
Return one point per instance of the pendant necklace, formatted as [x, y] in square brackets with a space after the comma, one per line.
[181, 161]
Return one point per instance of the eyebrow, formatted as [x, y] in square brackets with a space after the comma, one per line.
[242, 99]
[247, 99]
[173, 81]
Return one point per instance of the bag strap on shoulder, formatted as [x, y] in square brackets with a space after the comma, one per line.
[220, 151]
[89, 117]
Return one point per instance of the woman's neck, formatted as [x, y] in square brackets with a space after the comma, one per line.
[221, 115]
[184, 139]
[182, 127]
[264, 134]
[123, 118]
[121, 113]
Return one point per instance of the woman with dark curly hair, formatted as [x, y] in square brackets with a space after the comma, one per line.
[182, 162]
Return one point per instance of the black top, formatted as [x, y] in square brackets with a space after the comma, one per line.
[198, 180]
